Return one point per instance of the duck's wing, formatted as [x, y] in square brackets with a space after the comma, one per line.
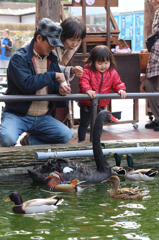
[145, 174]
[118, 170]
[143, 171]
[74, 182]
[129, 191]
[151, 173]
[41, 201]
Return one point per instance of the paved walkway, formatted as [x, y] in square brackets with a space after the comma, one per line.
[126, 131]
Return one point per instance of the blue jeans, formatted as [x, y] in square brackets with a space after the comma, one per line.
[43, 130]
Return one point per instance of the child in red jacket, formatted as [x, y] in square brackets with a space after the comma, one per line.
[99, 76]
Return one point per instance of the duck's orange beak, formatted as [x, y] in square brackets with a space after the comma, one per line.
[47, 177]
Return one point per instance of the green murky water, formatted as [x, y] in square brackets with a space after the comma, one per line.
[91, 214]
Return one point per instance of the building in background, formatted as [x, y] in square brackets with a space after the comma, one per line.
[129, 16]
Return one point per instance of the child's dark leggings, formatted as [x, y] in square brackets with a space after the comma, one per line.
[84, 123]
[85, 115]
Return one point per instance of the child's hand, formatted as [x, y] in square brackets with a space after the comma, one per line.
[91, 93]
[122, 93]
[77, 70]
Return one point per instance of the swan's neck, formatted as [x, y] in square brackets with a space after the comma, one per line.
[101, 163]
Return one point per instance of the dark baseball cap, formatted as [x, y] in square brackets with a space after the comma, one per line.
[51, 30]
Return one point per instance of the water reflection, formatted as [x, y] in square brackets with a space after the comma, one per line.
[134, 236]
[92, 214]
[132, 205]
[128, 225]
[126, 214]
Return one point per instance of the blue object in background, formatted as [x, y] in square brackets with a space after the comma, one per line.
[131, 28]
[3, 50]
[139, 24]
[127, 27]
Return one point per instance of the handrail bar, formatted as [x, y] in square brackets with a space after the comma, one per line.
[94, 101]
[57, 97]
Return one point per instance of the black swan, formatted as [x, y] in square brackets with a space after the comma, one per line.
[79, 170]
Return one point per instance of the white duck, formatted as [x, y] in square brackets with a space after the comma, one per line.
[33, 205]
[140, 174]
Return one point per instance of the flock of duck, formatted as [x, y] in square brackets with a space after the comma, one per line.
[64, 175]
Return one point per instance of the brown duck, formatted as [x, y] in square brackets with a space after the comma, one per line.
[123, 193]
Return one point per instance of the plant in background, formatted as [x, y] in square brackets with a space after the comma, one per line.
[20, 38]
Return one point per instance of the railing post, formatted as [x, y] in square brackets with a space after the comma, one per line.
[94, 104]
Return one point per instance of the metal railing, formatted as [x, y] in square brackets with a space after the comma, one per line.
[94, 101]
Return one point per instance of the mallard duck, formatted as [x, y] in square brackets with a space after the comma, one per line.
[140, 174]
[116, 169]
[123, 193]
[79, 170]
[33, 205]
[57, 184]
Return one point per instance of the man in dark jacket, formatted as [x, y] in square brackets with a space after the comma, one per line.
[34, 70]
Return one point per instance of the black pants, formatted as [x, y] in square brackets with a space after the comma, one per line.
[84, 123]
[85, 115]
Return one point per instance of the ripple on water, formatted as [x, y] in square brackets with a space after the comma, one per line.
[135, 236]
[133, 205]
[92, 214]
[127, 225]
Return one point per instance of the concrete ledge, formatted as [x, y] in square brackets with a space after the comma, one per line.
[16, 160]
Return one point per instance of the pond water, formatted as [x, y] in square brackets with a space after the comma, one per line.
[90, 214]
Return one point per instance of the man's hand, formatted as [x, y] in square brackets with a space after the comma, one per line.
[60, 77]
[64, 90]
[77, 70]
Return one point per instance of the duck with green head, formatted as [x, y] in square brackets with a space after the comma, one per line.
[117, 169]
[34, 205]
[140, 174]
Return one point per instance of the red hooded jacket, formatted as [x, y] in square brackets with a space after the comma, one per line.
[99, 82]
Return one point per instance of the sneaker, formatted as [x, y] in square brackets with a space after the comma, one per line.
[24, 141]
[156, 128]
[152, 125]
